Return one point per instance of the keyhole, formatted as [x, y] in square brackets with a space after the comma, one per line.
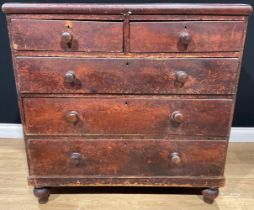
[126, 103]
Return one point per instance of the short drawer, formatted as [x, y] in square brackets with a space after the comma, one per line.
[127, 76]
[147, 116]
[187, 36]
[67, 35]
[137, 158]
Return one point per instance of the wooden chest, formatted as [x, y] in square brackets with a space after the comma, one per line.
[126, 95]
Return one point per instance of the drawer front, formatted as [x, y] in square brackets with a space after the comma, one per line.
[160, 116]
[189, 36]
[127, 76]
[60, 35]
[126, 157]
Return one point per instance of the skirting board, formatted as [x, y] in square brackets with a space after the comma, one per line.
[14, 131]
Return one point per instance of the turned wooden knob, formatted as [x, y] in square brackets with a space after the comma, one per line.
[177, 116]
[185, 38]
[66, 37]
[70, 77]
[181, 76]
[175, 158]
[75, 158]
[72, 117]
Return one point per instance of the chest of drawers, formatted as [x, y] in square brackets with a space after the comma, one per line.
[126, 95]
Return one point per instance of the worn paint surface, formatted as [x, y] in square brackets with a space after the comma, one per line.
[127, 75]
[90, 36]
[206, 36]
[126, 158]
[120, 115]
[113, 125]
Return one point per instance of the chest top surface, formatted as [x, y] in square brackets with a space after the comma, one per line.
[208, 9]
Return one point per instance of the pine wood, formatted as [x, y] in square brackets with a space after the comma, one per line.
[15, 194]
[125, 115]
[211, 9]
[126, 159]
[206, 36]
[103, 36]
[136, 111]
[127, 75]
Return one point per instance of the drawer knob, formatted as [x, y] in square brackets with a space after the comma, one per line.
[177, 116]
[66, 37]
[70, 77]
[175, 158]
[72, 117]
[185, 38]
[181, 76]
[75, 159]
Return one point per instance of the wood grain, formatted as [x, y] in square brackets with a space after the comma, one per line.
[126, 75]
[95, 36]
[15, 194]
[122, 115]
[204, 9]
[189, 114]
[180, 17]
[121, 17]
[115, 158]
[72, 54]
[206, 36]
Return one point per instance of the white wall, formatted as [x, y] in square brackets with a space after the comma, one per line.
[237, 134]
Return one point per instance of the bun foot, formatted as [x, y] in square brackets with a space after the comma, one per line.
[210, 194]
[42, 194]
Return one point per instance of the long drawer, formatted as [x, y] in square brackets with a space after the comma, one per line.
[186, 36]
[67, 35]
[125, 157]
[127, 76]
[151, 115]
